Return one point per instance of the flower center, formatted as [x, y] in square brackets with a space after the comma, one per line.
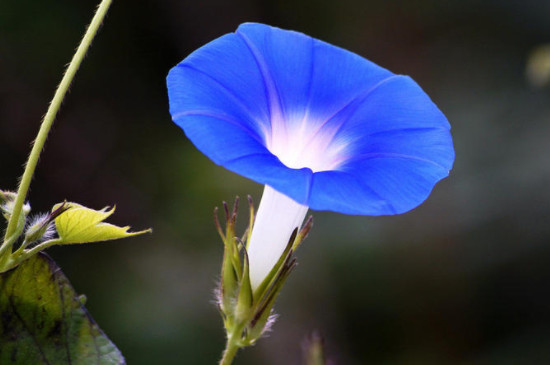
[306, 144]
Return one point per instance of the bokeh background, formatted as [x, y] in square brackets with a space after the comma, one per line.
[463, 279]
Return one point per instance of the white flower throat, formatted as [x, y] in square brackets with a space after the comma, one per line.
[277, 217]
[297, 145]
[306, 144]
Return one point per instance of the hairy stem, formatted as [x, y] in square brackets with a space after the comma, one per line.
[230, 351]
[49, 118]
[25, 254]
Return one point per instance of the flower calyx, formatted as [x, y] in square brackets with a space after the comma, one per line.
[41, 227]
[248, 312]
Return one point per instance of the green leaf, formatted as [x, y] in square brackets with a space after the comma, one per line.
[80, 224]
[43, 321]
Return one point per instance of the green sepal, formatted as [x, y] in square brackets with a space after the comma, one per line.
[302, 235]
[261, 289]
[231, 245]
[231, 238]
[79, 224]
[244, 300]
[251, 217]
[229, 283]
[259, 322]
[37, 230]
[247, 313]
[231, 266]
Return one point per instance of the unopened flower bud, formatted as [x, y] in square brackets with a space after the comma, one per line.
[7, 203]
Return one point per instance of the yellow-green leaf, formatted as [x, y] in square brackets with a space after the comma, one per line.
[80, 224]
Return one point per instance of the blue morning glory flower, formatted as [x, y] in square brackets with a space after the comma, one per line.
[320, 126]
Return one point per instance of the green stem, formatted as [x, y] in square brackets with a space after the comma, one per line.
[21, 255]
[52, 112]
[36, 249]
[230, 351]
[3, 257]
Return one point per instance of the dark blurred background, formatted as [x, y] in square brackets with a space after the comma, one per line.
[463, 279]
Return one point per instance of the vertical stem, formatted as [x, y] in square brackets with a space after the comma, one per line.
[52, 112]
[230, 351]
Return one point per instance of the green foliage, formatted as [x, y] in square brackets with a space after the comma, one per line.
[45, 322]
[79, 224]
[74, 223]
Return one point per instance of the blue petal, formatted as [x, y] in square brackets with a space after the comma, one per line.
[293, 182]
[400, 144]
[305, 75]
[231, 95]
[345, 193]
[396, 117]
[220, 78]
[403, 183]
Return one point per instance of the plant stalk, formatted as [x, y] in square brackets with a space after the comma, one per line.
[230, 351]
[49, 118]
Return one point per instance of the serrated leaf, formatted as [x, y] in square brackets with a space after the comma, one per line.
[79, 224]
[43, 321]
